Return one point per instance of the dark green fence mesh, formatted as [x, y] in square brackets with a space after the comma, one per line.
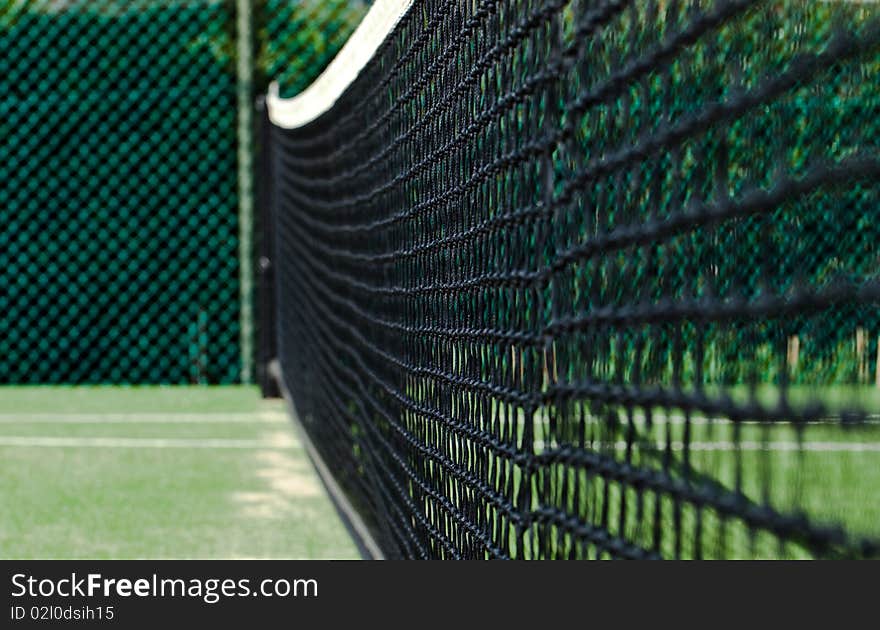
[118, 193]
[119, 228]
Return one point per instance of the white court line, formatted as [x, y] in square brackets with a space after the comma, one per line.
[661, 419]
[700, 420]
[747, 445]
[143, 418]
[222, 443]
[114, 442]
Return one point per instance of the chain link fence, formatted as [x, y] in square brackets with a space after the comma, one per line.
[120, 252]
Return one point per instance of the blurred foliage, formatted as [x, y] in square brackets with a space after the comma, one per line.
[827, 238]
[297, 39]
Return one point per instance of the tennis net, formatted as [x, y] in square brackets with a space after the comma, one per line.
[590, 279]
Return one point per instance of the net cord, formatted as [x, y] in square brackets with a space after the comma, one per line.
[319, 97]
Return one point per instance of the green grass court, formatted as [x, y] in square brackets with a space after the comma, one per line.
[829, 472]
[198, 472]
[158, 472]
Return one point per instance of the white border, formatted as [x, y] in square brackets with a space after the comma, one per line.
[324, 91]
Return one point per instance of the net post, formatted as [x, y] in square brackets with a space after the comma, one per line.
[266, 324]
[877, 370]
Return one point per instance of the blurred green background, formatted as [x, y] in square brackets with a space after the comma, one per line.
[120, 203]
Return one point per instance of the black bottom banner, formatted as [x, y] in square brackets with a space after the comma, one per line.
[289, 593]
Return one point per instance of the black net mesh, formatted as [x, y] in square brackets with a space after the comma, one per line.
[578, 279]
